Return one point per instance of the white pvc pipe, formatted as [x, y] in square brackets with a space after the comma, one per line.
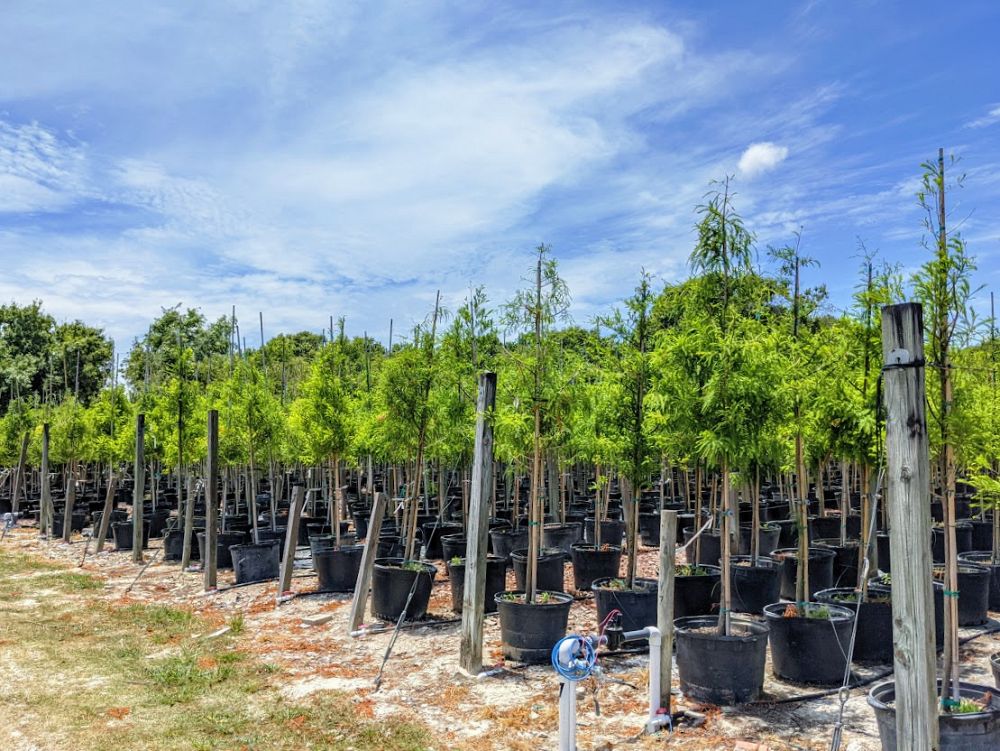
[655, 719]
[567, 714]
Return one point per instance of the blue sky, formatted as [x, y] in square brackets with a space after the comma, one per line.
[317, 158]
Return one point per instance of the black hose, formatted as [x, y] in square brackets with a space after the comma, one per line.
[856, 684]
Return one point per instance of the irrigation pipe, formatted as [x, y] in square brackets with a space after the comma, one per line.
[857, 684]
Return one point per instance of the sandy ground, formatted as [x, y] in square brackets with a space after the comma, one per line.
[515, 708]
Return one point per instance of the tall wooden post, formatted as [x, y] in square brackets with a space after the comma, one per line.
[209, 564]
[665, 601]
[471, 650]
[291, 540]
[109, 504]
[70, 502]
[190, 493]
[139, 490]
[367, 562]
[908, 496]
[15, 499]
[47, 514]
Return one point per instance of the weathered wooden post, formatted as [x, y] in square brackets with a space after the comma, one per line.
[70, 502]
[109, 504]
[471, 649]
[139, 489]
[48, 514]
[908, 496]
[190, 492]
[209, 564]
[665, 601]
[291, 540]
[15, 499]
[367, 563]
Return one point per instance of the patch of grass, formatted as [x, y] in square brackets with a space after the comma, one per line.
[88, 673]
[237, 623]
[71, 582]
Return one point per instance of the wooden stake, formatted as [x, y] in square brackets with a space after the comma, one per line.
[908, 496]
[48, 513]
[367, 563]
[291, 540]
[139, 490]
[665, 601]
[471, 650]
[210, 561]
[70, 502]
[109, 504]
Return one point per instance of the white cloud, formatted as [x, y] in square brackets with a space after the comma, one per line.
[990, 118]
[760, 158]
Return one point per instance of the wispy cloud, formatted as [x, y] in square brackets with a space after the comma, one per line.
[990, 118]
[760, 158]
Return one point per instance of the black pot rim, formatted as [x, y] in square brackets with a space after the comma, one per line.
[687, 623]
[845, 614]
[396, 564]
[879, 688]
[588, 547]
[651, 588]
[543, 554]
[714, 571]
[341, 549]
[814, 553]
[769, 563]
[245, 545]
[489, 559]
[972, 556]
[561, 599]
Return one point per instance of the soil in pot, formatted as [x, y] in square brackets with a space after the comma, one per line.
[976, 727]
[562, 536]
[754, 586]
[612, 531]
[873, 642]
[820, 570]
[983, 558]
[337, 568]
[589, 564]
[720, 669]
[392, 580]
[809, 643]
[767, 540]
[496, 581]
[529, 631]
[506, 541]
[255, 562]
[696, 590]
[550, 569]
[636, 605]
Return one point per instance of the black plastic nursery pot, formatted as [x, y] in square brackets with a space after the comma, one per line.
[697, 593]
[157, 522]
[506, 541]
[392, 580]
[612, 531]
[820, 570]
[589, 563]
[824, 527]
[529, 631]
[225, 540]
[550, 569]
[649, 529]
[562, 536]
[720, 669]
[982, 534]
[963, 540]
[78, 520]
[273, 535]
[433, 532]
[711, 546]
[123, 535]
[255, 561]
[983, 558]
[809, 649]
[973, 593]
[453, 546]
[754, 586]
[876, 586]
[337, 568]
[789, 534]
[173, 545]
[974, 731]
[390, 546]
[637, 605]
[767, 539]
[883, 551]
[496, 581]
[873, 642]
[845, 561]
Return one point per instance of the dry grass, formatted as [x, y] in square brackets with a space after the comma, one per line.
[82, 672]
